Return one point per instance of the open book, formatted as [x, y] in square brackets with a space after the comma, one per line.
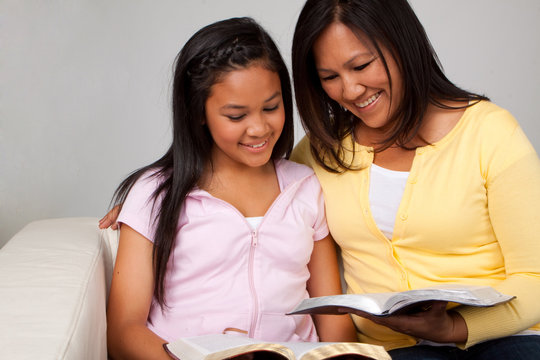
[383, 304]
[224, 346]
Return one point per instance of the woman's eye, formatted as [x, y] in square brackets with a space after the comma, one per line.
[270, 109]
[363, 66]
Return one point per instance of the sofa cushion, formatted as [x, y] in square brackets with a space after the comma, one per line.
[53, 291]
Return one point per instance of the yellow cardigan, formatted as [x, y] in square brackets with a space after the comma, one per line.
[469, 214]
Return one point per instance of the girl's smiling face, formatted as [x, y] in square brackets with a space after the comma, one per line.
[245, 116]
[353, 75]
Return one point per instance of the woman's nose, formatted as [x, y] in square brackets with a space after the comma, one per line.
[352, 89]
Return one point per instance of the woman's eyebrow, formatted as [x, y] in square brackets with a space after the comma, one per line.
[276, 94]
[348, 62]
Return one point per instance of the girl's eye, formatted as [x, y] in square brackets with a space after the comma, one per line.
[328, 78]
[236, 117]
[270, 109]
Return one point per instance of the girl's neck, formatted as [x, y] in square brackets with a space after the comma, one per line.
[216, 173]
[251, 190]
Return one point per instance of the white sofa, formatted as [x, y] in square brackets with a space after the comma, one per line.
[54, 279]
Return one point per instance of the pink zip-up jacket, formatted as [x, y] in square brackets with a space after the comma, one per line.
[223, 274]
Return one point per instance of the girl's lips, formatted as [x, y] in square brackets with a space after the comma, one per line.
[256, 146]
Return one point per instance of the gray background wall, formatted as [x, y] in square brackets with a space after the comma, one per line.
[84, 84]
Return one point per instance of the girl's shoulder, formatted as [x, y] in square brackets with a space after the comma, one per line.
[291, 170]
[290, 173]
[147, 183]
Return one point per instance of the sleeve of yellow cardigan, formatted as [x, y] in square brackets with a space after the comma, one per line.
[302, 152]
[513, 204]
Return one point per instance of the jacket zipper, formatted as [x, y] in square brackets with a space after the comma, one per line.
[251, 277]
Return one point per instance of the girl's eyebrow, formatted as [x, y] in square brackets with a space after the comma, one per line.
[235, 106]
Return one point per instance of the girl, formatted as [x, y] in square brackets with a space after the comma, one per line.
[222, 234]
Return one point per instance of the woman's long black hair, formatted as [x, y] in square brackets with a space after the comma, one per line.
[214, 50]
[389, 24]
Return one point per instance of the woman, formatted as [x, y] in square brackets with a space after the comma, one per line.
[424, 183]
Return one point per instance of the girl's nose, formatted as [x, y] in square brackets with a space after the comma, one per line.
[258, 126]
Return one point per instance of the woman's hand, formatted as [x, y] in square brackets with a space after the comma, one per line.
[434, 324]
[110, 218]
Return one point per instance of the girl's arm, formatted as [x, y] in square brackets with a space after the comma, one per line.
[325, 280]
[130, 299]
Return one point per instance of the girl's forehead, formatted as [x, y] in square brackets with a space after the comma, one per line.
[249, 83]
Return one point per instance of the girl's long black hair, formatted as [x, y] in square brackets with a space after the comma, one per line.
[389, 24]
[214, 50]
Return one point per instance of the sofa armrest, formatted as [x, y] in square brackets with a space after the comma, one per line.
[54, 277]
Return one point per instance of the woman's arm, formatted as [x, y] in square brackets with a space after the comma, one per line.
[110, 218]
[513, 198]
[129, 302]
[325, 280]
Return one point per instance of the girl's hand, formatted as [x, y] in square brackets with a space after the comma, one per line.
[110, 218]
[434, 324]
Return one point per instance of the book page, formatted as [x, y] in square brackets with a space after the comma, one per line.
[220, 346]
[383, 304]
[371, 303]
[462, 294]
[325, 350]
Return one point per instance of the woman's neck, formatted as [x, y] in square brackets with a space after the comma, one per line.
[436, 124]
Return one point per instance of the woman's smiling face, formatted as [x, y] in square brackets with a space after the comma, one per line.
[353, 74]
[245, 116]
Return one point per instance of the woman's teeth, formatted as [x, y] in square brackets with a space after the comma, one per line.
[368, 101]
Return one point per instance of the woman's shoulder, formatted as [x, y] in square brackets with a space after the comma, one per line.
[497, 133]
[488, 115]
[302, 152]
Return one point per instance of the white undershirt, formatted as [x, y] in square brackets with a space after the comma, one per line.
[254, 221]
[385, 192]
